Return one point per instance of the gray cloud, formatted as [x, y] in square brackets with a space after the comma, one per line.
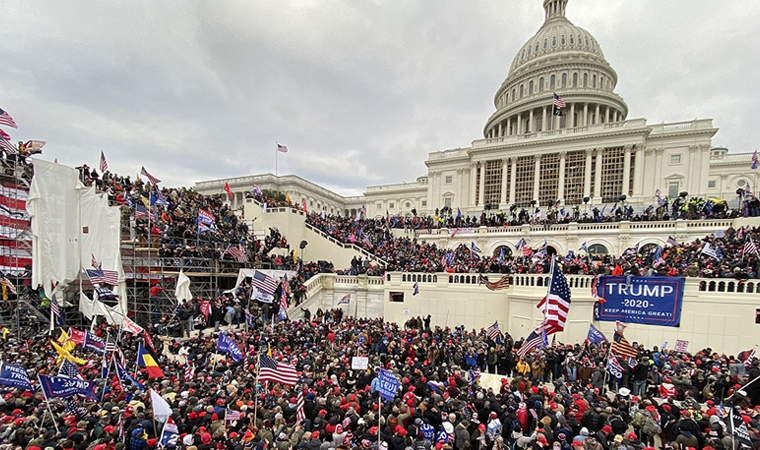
[359, 91]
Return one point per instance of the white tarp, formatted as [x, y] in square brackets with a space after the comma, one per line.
[101, 237]
[182, 291]
[54, 208]
[70, 223]
[92, 308]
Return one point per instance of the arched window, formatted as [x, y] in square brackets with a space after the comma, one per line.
[575, 80]
[536, 47]
[551, 82]
[597, 250]
[541, 84]
[564, 80]
[530, 88]
[585, 80]
[513, 94]
[522, 90]
[572, 41]
[563, 40]
[554, 41]
[593, 81]
[546, 44]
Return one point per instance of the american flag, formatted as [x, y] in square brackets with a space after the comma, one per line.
[556, 304]
[277, 372]
[558, 102]
[231, 416]
[749, 247]
[672, 241]
[97, 276]
[7, 120]
[5, 141]
[152, 179]
[73, 409]
[103, 162]
[493, 331]
[747, 357]
[283, 313]
[189, 371]
[141, 212]
[94, 262]
[111, 347]
[54, 307]
[282, 148]
[536, 339]
[754, 160]
[263, 282]
[7, 283]
[503, 283]
[237, 252]
[69, 369]
[300, 413]
[657, 257]
[620, 345]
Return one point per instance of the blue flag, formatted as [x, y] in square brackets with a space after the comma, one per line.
[15, 376]
[228, 346]
[94, 343]
[415, 288]
[123, 375]
[594, 335]
[474, 247]
[387, 384]
[56, 386]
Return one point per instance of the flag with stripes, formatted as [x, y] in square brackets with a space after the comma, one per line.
[747, 357]
[620, 345]
[141, 212]
[614, 368]
[189, 371]
[556, 304]
[98, 276]
[69, 369]
[55, 308]
[345, 300]
[5, 141]
[503, 283]
[282, 148]
[152, 179]
[493, 331]
[749, 247]
[300, 413]
[536, 339]
[206, 217]
[754, 160]
[282, 314]
[657, 258]
[94, 262]
[474, 247]
[111, 347]
[74, 409]
[263, 282]
[231, 415]
[277, 372]
[103, 162]
[237, 252]
[672, 241]
[7, 120]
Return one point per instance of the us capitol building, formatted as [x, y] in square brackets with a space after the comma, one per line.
[528, 153]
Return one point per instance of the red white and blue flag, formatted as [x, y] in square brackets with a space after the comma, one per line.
[152, 179]
[556, 304]
[7, 120]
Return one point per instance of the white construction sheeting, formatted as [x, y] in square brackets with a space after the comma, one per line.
[53, 206]
[182, 291]
[70, 223]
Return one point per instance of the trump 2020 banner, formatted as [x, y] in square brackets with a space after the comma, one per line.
[646, 300]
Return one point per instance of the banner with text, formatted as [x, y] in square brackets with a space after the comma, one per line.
[645, 300]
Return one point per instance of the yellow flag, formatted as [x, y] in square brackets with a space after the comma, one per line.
[5, 333]
[64, 335]
[145, 201]
[63, 354]
[295, 256]
[269, 350]
[63, 339]
[287, 197]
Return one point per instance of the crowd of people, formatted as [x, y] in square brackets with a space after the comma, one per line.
[554, 397]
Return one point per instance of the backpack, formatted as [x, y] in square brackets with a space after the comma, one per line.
[650, 427]
[638, 420]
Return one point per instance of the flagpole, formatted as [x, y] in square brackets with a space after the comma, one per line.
[606, 364]
[276, 156]
[153, 411]
[50, 410]
[255, 387]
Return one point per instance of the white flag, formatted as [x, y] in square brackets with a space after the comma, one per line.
[161, 409]
[182, 291]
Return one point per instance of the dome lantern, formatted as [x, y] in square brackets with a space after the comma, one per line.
[554, 9]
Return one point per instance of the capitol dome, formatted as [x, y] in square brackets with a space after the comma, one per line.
[560, 58]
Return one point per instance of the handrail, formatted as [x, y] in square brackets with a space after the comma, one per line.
[349, 246]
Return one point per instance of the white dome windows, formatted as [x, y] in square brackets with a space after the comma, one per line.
[564, 80]
[541, 84]
[563, 40]
[572, 40]
[593, 81]
[575, 79]
[554, 41]
[530, 88]
[552, 83]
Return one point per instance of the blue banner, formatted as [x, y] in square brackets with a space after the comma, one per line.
[15, 376]
[125, 376]
[228, 346]
[94, 343]
[645, 300]
[387, 384]
[55, 386]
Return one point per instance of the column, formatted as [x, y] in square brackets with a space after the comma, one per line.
[596, 115]
[536, 175]
[504, 173]
[482, 181]
[500, 130]
[692, 179]
[512, 181]
[658, 170]
[473, 180]
[638, 171]
[587, 173]
[543, 118]
[464, 200]
[530, 122]
[626, 169]
[598, 174]
[561, 187]
[606, 114]
[571, 117]
[585, 114]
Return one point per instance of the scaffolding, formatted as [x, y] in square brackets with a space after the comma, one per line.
[20, 312]
[144, 269]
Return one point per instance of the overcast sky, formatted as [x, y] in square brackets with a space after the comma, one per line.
[360, 91]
